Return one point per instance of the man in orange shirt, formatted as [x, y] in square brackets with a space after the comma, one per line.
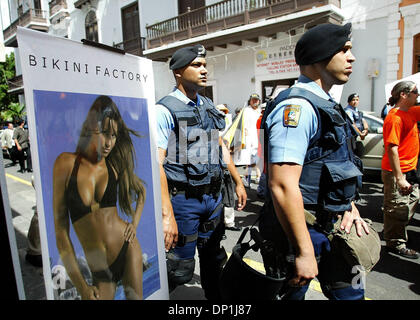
[401, 192]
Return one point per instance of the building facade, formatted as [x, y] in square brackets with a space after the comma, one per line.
[250, 42]
[386, 39]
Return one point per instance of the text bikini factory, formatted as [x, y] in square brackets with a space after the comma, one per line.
[84, 68]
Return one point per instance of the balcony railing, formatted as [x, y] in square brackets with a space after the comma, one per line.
[57, 6]
[223, 15]
[15, 84]
[134, 46]
[36, 18]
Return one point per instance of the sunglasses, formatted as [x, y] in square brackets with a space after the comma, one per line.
[415, 91]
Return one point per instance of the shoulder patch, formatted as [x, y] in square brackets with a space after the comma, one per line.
[291, 115]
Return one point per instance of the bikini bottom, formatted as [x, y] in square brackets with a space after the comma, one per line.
[115, 271]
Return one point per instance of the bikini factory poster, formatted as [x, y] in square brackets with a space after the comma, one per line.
[95, 169]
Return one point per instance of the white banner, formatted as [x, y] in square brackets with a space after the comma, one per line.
[91, 121]
[388, 87]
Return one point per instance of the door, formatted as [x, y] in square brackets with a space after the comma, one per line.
[416, 54]
[273, 87]
[131, 28]
[195, 17]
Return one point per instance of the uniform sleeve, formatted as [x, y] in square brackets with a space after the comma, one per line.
[165, 124]
[350, 114]
[288, 144]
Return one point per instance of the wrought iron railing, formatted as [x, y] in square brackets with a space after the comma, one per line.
[31, 15]
[133, 46]
[246, 11]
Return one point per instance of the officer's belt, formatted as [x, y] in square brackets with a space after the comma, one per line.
[204, 227]
[212, 188]
[323, 221]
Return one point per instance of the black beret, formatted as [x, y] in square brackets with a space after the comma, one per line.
[184, 56]
[352, 96]
[321, 42]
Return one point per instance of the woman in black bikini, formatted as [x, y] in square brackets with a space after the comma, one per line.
[85, 190]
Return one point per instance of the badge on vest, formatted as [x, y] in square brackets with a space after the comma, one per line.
[291, 115]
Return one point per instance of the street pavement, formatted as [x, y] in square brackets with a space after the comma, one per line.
[393, 278]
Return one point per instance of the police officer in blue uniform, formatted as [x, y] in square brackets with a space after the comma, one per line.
[356, 116]
[193, 161]
[312, 171]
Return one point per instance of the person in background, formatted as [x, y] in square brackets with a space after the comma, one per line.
[401, 192]
[8, 143]
[385, 110]
[229, 211]
[356, 116]
[248, 155]
[260, 164]
[21, 138]
[359, 124]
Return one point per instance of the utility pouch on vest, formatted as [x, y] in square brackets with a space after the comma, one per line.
[227, 189]
[340, 187]
[361, 251]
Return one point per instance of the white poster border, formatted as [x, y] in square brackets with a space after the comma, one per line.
[77, 87]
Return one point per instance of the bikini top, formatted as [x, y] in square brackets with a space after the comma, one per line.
[74, 202]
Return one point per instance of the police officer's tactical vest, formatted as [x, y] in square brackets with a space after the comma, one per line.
[331, 173]
[197, 158]
[358, 116]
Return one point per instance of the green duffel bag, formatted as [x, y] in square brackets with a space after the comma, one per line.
[361, 251]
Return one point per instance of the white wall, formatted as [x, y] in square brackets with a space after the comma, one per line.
[164, 79]
[154, 11]
[373, 34]
[231, 72]
[368, 43]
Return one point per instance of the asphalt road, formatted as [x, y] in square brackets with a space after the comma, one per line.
[393, 278]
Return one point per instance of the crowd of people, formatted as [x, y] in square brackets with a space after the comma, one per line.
[15, 141]
[306, 167]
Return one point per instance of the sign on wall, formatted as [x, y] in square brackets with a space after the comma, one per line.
[94, 156]
[277, 60]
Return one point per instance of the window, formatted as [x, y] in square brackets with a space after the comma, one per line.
[37, 4]
[373, 125]
[91, 26]
[416, 54]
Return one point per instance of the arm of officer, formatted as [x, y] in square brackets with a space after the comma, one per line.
[365, 130]
[351, 217]
[170, 228]
[288, 204]
[240, 189]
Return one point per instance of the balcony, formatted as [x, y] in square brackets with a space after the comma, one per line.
[134, 46]
[33, 19]
[15, 85]
[229, 14]
[58, 8]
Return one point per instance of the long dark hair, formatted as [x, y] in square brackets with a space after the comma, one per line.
[121, 158]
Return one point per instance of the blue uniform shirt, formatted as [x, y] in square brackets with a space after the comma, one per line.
[165, 121]
[355, 117]
[289, 143]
